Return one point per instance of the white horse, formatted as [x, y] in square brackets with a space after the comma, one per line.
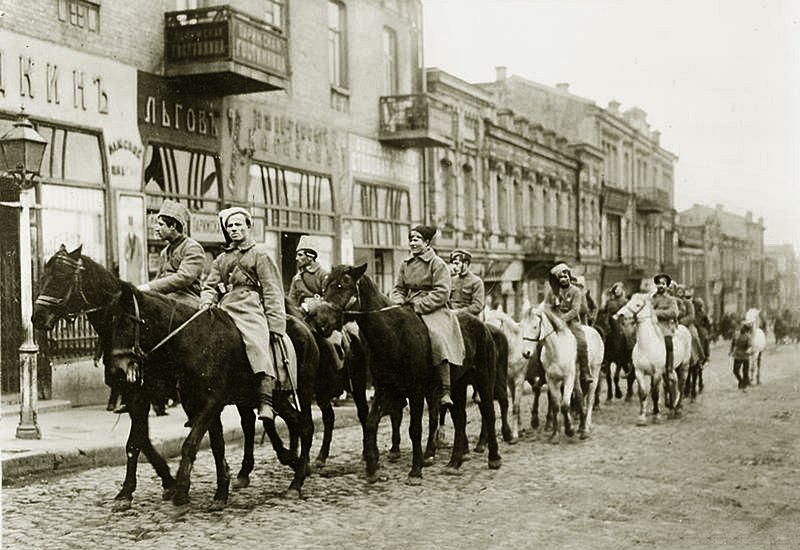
[751, 317]
[559, 353]
[517, 366]
[650, 357]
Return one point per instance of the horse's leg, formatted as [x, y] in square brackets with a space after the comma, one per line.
[570, 389]
[677, 411]
[247, 419]
[371, 437]
[441, 432]
[554, 408]
[189, 451]
[606, 370]
[655, 388]
[516, 385]
[758, 368]
[631, 378]
[537, 393]
[459, 415]
[396, 418]
[505, 428]
[217, 440]
[285, 456]
[433, 426]
[328, 419]
[617, 390]
[138, 408]
[589, 407]
[302, 423]
[415, 434]
[485, 388]
[641, 380]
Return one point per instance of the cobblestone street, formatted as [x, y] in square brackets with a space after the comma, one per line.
[725, 474]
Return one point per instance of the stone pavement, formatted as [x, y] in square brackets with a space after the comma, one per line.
[87, 437]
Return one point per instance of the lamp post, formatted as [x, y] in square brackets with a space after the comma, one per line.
[21, 153]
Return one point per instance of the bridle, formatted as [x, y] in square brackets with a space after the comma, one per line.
[353, 305]
[60, 304]
[540, 338]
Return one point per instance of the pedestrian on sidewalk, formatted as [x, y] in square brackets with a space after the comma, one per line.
[741, 348]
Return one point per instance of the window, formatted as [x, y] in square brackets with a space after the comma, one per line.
[470, 201]
[519, 209]
[613, 249]
[389, 62]
[273, 13]
[449, 189]
[71, 155]
[337, 45]
[292, 199]
[487, 205]
[188, 177]
[83, 14]
[502, 206]
[383, 215]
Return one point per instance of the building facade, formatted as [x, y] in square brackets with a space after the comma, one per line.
[273, 105]
[781, 279]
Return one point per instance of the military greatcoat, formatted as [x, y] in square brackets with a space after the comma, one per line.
[180, 266]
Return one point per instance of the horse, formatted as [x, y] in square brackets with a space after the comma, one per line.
[752, 317]
[558, 354]
[73, 284]
[208, 357]
[402, 366]
[649, 358]
[518, 372]
[617, 350]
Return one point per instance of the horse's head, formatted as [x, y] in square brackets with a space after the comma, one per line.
[60, 289]
[324, 317]
[128, 330]
[637, 307]
[531, 325]
[341, 285]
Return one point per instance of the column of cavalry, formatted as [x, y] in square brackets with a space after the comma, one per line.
[154, 341]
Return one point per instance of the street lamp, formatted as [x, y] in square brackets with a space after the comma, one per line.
[21, 154]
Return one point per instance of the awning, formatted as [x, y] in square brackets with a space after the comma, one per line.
[503, 270]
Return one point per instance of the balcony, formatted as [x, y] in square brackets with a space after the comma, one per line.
[542, 242]
[615, 200]
[221, 51]
[416, 120]
[691, 237]
[652, 199]
[645, 265]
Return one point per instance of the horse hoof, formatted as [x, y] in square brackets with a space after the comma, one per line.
[584, 434]
[179, 511]
[569, 433]
[465, 457]
[495, 464]
[513, 441]
[393, 455]
[241, 482]
[508, 437]
[618, 394]
[121, 505]
[372, 478]
[641, 422]
[413, 481]
[479, 449]
[168, 493]
[319, 464]
[656, 419]
[217, 506]
[292, 494]
[452, 470]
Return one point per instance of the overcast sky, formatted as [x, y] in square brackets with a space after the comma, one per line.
[720, 79]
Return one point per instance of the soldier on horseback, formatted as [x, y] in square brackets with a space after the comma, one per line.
[245, 282]
[564, 300]
[688, 318]
[665, 308]
[467, 292]
[424, 283]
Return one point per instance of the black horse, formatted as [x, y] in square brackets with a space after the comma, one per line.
[209, 359]
[402, 366]
[72, 284]
[618, 350]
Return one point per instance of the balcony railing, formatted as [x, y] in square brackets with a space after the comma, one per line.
[548, 241]
[691, 236]
[615, 200]
[416, 120]
[223, 51]
[652, 199]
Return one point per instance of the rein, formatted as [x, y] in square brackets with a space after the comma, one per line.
[540, 338]
[77, 285]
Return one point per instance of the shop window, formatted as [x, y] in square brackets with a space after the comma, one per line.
[71, 155]
[292, 199]
[189, 177]
[382, 214]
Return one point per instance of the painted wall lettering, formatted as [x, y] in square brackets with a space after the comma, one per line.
[25, 70]
[52, 84]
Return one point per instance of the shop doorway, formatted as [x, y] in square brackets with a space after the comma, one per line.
[287, 250]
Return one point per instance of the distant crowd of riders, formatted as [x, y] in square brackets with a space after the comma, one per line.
[245, 282]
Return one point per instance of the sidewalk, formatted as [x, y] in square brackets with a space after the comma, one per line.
[88, 437]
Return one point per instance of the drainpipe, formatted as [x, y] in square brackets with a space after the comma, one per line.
[581, 166]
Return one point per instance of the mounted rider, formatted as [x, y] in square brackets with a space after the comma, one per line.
[307, 285]
[665, 308]
[181, 261]
[688, 318]
[564, 300]
[245, 282]
[588, 307]
[423, 282]
[467, 292]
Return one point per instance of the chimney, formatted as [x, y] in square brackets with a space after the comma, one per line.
[656, 135]
[613, 107]
[563, 86]
[500, 74]
[505, 118]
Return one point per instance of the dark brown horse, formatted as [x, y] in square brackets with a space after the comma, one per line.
[209, 360]
[73, 284]
[402, 366]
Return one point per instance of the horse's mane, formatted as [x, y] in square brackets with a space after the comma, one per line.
[505, 319]
[159, 301]
[366, 284]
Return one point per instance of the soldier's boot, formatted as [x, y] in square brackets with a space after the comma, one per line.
[444, 375]
[668, 366]
[583, 364]
[266, 385]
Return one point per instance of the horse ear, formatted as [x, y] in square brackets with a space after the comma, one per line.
[357, 271]
[75, 253]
